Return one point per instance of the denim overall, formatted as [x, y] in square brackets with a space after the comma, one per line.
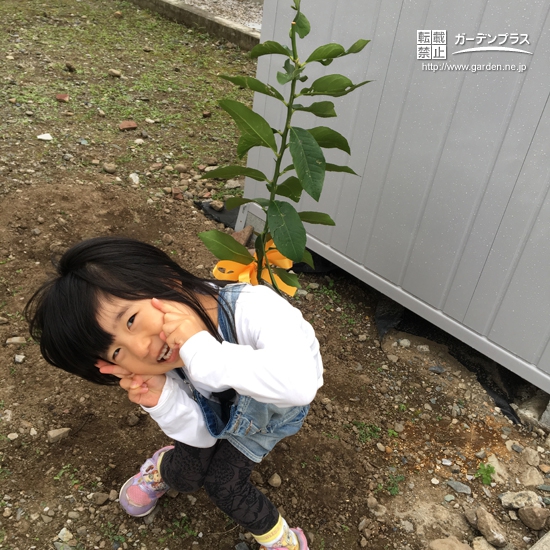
[252, 427]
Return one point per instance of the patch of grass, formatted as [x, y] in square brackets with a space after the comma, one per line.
[485, 472]
[180, 528]
[366, 432]
[69, 472]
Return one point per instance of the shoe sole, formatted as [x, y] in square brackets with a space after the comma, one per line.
[122, 491]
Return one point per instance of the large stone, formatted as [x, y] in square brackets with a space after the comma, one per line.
[534, 517]
[531, 477]
[479, 543]
[490, 528]
[451, 543]
[501, 474]
[542, 544]
[532, 456]
[518, 500]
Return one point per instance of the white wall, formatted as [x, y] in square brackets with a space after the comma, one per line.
[451, 215]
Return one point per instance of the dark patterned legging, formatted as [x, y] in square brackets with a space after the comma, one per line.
[225, 474]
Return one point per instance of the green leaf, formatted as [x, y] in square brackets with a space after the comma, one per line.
[335, 85]
[324, 109]
[226, 172]
[327, 51]
[288, 278]
[316, 217]
[269, 47]
[283, 78]
[287, 230]
[225, 247]
[307, 258]
[357, 46]
[309, 161]
[291, 188]
[302, 25]
[337, 168]
[330, 139]
[288, 169]
[254, 128]
[254, 84]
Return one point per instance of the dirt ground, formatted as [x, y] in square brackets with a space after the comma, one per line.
[379, 428]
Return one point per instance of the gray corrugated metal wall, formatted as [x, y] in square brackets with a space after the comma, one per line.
[451, 216]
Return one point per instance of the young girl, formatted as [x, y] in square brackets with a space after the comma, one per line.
[226, 371]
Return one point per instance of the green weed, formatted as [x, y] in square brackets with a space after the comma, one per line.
[485, 472]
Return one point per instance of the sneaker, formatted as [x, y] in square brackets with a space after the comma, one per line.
[302, 541]
[140, 493]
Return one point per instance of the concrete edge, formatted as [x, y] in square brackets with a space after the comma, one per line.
[191, 16]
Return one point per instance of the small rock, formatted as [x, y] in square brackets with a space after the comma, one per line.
[16, 340]
[19, 359]
[114, 73]
[450, 543]
[393, 358]
[275, 480]
[57, 435]
[118, 14]
[7, 512]
[218, 206]
[243, 236]
[127, 125]
[206, 114]
[13, 436]
[232, 184]
[69, 67]
[167, 239]
[139, 141]
[181, 168]
[437, 369]
[133, 179]
[62, 98]
[404, 343]
[3, 321]
[99, 499]
[459, 487]
[46, 519]
[423, 349]
[101, 112]
[64, 535]
[132, 419]
[109, 167]
[45, 137]
[149, 121]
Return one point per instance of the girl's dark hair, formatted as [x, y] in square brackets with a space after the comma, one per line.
[62, 313]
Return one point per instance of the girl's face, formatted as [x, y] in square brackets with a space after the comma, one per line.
[136, 326]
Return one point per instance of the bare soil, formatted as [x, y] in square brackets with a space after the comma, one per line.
[378, 428]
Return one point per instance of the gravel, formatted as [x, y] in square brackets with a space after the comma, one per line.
[245, 12]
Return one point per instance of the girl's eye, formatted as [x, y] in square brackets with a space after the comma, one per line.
[115, 353]
[131, 321]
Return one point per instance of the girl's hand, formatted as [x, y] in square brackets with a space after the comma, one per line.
[142, 389]
[180, 323]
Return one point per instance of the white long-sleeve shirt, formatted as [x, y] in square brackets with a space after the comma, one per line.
[276, 361]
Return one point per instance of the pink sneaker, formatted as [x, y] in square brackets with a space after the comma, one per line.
[302, 541]
[140, 493]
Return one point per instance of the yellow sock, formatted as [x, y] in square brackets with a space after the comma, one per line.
[279, 537]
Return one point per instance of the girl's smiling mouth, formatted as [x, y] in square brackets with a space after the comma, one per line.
[165, 353]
